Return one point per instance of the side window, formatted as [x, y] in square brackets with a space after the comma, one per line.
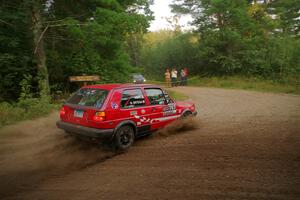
[156, 96]
[132, 98]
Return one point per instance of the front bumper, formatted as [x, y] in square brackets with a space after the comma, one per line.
[103, 134]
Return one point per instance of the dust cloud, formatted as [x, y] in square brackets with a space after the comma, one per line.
[33, 151]
[177, 127]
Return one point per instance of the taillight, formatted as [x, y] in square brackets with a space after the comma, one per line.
[99, 116]
[62, 111]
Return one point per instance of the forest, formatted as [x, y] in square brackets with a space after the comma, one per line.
[234, 37]
[43, 42]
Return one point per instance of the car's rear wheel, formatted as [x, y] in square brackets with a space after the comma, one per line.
[124, 137]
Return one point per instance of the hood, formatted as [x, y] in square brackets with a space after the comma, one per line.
[184, 104]
[181, 106]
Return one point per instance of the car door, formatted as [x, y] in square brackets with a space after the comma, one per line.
[162, 112]
[133, 107]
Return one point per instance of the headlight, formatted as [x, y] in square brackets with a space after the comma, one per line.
[144, 80]
[134, 81]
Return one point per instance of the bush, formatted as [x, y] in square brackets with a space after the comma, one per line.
[25, 109]
[10, 113]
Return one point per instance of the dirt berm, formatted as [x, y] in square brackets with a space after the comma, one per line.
[242, 145]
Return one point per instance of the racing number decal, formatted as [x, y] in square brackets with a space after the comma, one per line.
[169, 110]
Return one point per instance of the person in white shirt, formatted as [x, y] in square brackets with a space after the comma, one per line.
[174, 77]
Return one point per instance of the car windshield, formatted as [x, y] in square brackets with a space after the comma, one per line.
[168, 98]
[138, 76]
[89, 97]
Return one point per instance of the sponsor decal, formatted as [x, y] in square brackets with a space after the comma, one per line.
[144, 120]
[169, 110]
[169, 113]
[114, 106]
[134, 112]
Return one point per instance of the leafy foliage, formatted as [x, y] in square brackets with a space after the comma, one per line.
[58, 39]
[175, 50]
[79, 37]
[15, 48]
[234, 37]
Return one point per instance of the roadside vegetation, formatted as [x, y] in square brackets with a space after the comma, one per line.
[43, 43]
[177, 96]
[24, 110]
[235, 44]
[27, 106]
[247, 83]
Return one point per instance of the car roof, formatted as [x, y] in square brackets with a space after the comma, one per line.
[120, 86]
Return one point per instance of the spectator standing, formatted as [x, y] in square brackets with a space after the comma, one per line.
[168, 78]
[182, 77]
[174, 77]
[186, 71]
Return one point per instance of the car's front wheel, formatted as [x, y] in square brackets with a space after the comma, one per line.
[124, 137]
[187, 114]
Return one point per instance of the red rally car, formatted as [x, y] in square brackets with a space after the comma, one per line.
[120, 112]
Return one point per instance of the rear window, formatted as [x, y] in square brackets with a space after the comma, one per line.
[89, 97]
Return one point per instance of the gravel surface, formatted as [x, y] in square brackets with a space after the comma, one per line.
[242, 145]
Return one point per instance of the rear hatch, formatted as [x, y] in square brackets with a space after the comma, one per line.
[82, 106]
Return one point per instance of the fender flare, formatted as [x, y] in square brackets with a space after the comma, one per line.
[185, 111]
[123, 123]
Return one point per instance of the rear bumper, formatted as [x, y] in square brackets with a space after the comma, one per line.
[103, 134]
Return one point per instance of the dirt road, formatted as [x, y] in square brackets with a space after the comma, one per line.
[243, 145]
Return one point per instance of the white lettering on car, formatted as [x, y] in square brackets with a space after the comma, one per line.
[169, 110]
[144, 120]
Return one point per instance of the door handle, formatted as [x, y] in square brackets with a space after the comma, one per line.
[154, 109]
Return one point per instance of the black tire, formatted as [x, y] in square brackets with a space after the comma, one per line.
[187, 114]
[124, 138]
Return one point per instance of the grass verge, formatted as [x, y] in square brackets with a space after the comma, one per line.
[255, 84]
[24, 110]
[177, 96]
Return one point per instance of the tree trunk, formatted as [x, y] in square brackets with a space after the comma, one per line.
[39, 53]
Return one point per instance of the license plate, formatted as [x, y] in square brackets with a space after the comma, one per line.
[78, 113]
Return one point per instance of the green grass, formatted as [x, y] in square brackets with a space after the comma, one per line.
[255, 84]
[289, 86]
[177, 96]
[24, 110]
